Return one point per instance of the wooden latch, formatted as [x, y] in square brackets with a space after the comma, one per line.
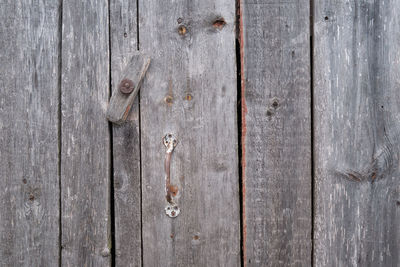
[128, 87]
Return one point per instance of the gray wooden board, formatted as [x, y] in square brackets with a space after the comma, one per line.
[85, 134]
[276, 133]
[29, 90]
[126, 141]
[357, 116]
[190, 91]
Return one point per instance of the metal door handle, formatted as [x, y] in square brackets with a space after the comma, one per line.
[172, 209]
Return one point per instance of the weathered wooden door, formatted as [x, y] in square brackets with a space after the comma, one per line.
[285, 116]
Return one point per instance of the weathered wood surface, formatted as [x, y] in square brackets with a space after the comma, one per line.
[126, 141]
[276, 133]
[357, 115]
[85, 134]
[29, 176]
[133, 74]
[190, 91]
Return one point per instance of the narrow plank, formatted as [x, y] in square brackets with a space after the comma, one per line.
[126, 141]
[85, 151]
[29, 173]
[357, 112]
[276, 134]
[190, 91]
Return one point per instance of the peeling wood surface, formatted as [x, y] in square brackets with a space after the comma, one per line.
[85, 135]
[357, 114]
[29, 89]
[276, 132]
[126, 141]
[190, 91]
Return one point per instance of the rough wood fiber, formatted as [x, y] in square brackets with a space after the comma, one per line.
[85, 136]
[126, 141]
[121, 103]
[29, 89]
[190, 91]
[357, 115]
[277, 133]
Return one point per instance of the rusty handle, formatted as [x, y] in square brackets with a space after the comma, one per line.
[167, 167]
[172, 209]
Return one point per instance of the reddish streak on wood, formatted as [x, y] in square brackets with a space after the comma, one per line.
[244, 129]
[126, 113]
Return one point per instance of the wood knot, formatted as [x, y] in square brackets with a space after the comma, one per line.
[219, 23]
[188, 97]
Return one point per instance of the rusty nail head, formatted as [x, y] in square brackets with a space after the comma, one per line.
[126, 86]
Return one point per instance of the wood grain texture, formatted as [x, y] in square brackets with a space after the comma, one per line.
[126, 141]
[357, 114]
[29, 89]
[277, 133]
[85, 135]
[190, 91]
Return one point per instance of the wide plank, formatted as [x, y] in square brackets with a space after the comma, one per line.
[85, 135]
[190, 91]
[357, 114]
[276, 132]
[29, 149]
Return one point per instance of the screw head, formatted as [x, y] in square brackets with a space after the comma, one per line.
[182, 30]
[126, 86]
[172, 210]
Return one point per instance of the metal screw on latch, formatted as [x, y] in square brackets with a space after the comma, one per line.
[126, 86]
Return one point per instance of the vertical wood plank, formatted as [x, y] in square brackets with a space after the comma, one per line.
[276, 134]
[85, 152]
[29, 102]
[126, 141]
[190, 91]
[357, 114]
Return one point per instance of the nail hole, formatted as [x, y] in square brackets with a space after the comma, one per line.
[179, 20]
[168, 208]
[173, 213]
[293, 53]
[169, 135]
[24, 181]
[31, 197]
[182, 30]
[175, 208]
[219, 23]
[326, 18]
[196, 237]
[275, 104]
[172, 236]
[168, 99]
[269, 113]
[398, 202]
[125, 34]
